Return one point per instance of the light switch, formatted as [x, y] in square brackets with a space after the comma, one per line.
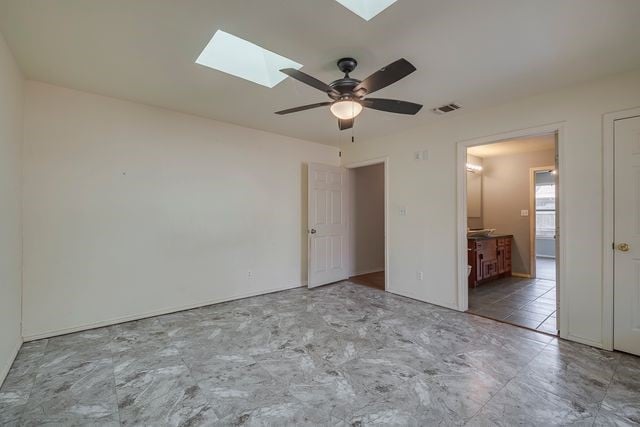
[421, 155]
[524, 212]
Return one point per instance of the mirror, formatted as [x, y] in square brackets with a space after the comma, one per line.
[474, 189]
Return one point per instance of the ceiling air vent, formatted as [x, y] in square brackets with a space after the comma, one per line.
[447, 108]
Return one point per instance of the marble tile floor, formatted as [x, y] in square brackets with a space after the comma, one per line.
[339, 355]
[530, 303]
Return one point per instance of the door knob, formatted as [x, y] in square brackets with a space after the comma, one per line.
[313, 231]
[623, 247]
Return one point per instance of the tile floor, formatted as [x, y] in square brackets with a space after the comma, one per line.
[338, 355]
[546, 268]
[530, 303]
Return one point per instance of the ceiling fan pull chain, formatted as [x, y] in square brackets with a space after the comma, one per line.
[352, 131]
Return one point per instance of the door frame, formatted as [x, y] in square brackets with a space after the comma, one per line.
[385, 162]
[532, 216]
[463, 291]
[608, 170]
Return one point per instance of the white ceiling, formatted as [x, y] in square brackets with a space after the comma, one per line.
[516, 146]
[478, 53]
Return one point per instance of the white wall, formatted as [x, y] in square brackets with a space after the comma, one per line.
[11, 97]
[367, 219]
[425, 239]
[131, 210]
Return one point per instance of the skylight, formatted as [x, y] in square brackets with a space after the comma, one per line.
[366, 9]
[238, 57]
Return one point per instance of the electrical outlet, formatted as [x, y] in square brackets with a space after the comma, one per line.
[249, 274]
[420, 275]
[403, 211]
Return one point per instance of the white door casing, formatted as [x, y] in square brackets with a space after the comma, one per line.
[327, 224]
[627, 232]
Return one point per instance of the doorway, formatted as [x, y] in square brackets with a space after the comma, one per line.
[543, 222]
[510, 228]
[347, 220]
[367, 225]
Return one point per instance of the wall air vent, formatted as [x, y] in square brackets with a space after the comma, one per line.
[447, 108]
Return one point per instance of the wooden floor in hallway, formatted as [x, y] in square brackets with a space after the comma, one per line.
[372, 280]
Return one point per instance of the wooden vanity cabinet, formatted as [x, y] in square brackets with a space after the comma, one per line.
[489, 258]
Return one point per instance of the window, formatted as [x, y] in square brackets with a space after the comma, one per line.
[241, 58]
[366, 9]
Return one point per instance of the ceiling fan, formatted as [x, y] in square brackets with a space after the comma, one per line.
[348, 95]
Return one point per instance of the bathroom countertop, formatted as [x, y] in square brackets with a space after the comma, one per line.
[491, 236]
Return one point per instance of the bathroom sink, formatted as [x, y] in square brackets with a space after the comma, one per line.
[484, 232]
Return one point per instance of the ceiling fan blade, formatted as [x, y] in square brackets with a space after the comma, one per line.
[345, 124]
[391, 105]
[386, 76]
[304, 107]
[309, 80]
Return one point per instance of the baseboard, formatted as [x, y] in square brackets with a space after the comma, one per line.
[124, 319]
[521, 275]
[5, 368]
[372, 270]
[409, 295]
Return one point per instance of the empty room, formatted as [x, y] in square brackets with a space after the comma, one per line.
[319, 212]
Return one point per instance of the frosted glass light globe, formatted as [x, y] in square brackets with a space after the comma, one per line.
[346, 110]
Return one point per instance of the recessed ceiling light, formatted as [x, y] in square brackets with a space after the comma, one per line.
[233, 55]
[366, 9]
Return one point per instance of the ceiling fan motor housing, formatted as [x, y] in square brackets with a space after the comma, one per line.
[345, 85]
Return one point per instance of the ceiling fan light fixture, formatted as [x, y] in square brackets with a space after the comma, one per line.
[346, 109]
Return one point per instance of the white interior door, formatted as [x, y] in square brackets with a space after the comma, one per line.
[327, 224]
[627, 235]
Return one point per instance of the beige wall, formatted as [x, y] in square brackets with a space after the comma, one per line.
[506, 191]
[426, 238]
[11, 96]
[131, 210]
[367, 219]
